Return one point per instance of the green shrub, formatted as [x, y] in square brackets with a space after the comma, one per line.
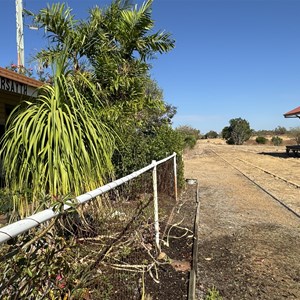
[138, 148]
[237, 132]
[213, 294]
[261, 140]
[190, 135]
[6, 203]
[190, 141]
[276, 140]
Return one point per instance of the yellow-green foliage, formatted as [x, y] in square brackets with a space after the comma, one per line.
[55, 143]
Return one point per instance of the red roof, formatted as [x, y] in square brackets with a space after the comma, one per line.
[20, 78]
[295, 113]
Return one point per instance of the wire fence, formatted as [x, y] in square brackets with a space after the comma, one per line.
[101, 249]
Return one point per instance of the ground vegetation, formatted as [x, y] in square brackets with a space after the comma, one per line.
[261, 140]
[295, 134]
[189, 134]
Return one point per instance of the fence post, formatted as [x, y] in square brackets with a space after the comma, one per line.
[175, 176]
[155, 201]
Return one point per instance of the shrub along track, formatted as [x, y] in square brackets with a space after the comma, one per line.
[249, 244]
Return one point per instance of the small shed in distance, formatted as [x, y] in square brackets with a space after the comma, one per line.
[294, 113]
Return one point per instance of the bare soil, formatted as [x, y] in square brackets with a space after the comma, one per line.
[249, 245]
[178, 239]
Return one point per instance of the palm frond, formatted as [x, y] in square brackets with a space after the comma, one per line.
[56, 143]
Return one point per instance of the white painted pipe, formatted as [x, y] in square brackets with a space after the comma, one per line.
[155, 203]
[12, 230]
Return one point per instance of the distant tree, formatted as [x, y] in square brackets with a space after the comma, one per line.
[280, 130]
[237, 132]
[295, 133]
[211, 135]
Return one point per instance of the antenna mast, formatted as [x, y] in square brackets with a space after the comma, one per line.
[20, 35]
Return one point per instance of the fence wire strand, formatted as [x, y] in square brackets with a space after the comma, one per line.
[100, 250]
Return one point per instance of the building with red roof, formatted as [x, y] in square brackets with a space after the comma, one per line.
[294, 113]
[14, 88]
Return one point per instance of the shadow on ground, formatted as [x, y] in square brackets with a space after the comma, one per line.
[279, 154]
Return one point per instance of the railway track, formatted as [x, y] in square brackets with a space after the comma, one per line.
[283, 189]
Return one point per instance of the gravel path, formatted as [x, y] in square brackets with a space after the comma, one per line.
[249, 245]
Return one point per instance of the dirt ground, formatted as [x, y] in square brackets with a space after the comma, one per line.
[249, 245]
[177, 246]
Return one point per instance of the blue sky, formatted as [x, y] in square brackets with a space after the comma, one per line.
[233, 58]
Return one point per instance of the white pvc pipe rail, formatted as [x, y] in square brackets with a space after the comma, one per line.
[12, 230]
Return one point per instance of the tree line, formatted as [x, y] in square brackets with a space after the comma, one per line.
[239, 131]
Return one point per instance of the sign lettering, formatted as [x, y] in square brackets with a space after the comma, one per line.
[13, 86]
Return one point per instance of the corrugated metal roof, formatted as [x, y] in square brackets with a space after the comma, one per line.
[294, 113]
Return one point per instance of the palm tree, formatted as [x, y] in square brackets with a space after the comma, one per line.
[62, 142]
[56, 144]
[120, 31]
[115, 44]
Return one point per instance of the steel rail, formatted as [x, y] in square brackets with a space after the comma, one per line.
[270, 173]
[194, 266]
[12, 230]
[258, 185]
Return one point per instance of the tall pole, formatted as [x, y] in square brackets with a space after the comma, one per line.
[175, 176]
[20, 34]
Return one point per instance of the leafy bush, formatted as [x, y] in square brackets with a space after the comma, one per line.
[276, 140]
[6, 204]
[40, 269]
[56, 143]
[213, 294]
[190, 141]
[138, 148]
[237, 132]
[190, 135]
[261, 140]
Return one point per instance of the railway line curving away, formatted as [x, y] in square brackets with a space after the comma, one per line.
[284, 191]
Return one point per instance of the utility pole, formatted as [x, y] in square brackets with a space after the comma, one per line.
[20, 35]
